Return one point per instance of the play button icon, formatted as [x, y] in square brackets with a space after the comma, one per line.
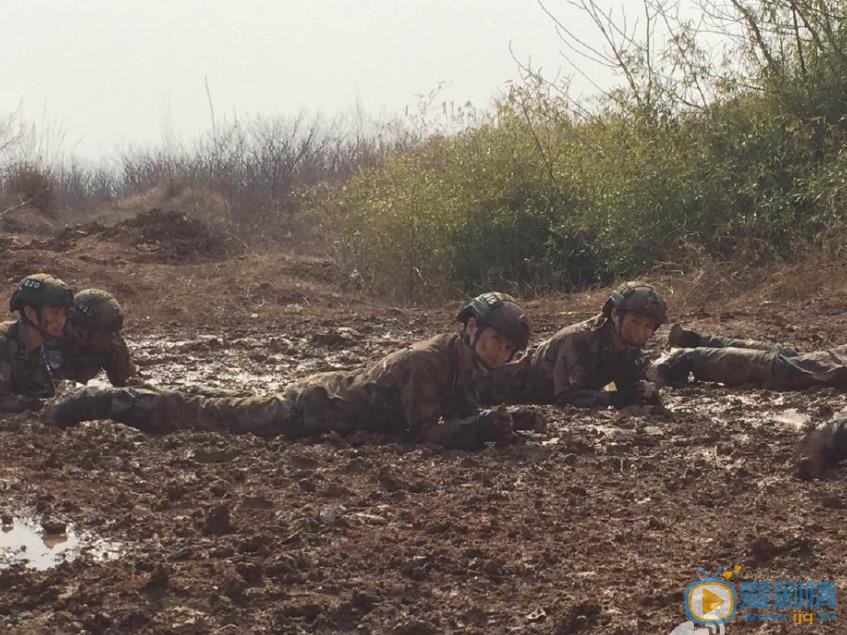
[710, 601]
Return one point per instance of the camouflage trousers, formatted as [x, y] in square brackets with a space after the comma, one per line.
[765, 364]
[719, 341]
[293, 414]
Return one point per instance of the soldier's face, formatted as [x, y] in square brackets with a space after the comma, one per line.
[637, 329]
[492, 347]
[52, 319]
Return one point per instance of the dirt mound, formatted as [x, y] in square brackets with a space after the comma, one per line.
[156, 235]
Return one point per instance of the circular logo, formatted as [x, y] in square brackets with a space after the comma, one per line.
[710, 601]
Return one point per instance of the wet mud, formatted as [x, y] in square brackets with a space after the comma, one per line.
[597, 525]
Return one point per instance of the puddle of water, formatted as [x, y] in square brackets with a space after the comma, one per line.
[792, 418]
[25, 541]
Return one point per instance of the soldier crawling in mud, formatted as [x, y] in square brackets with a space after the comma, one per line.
[426, 391]
[577, 363]
[91, 341]
[42, 302]
[735, 362]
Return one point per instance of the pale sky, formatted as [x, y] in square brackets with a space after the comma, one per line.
[109, 73]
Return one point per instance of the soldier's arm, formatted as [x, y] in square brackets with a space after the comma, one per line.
[569, 373]
[632, 385]
[421, 398]
[9, 400]
[118, 362]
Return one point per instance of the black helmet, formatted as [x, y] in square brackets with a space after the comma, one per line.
[501, 312]
[41, 289]
[97, 310]
[637, 297]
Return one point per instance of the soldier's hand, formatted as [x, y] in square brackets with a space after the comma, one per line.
[528, 419]
[590, 398]
[494, 424]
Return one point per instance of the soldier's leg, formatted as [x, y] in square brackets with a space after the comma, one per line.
[687, 338]
[733, 367]
[167, 411]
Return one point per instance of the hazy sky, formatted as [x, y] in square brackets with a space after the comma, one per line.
[113, 72]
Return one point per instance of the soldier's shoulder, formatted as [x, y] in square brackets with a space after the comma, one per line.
[439, 349]
[579, 330]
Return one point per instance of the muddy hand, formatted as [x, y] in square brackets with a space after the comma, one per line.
[494, 424]
[528, 419]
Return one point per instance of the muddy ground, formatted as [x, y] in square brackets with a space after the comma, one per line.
[596, 526]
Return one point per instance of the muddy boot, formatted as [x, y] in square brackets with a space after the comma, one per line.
[822, 448]
[86, 404]
[680, 337]
[671, 368]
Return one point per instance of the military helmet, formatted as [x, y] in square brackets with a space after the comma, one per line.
[637, 297]
[501, 312]
[97, 310]
[41, 289]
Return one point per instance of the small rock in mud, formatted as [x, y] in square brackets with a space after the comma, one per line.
[578, 618]
[6, 518]
[217, 522]
[158, 580]
[53, 526]
[415, 628]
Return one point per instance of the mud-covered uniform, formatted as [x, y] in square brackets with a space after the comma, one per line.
[24, 378]
[421, 391]
[572, 367]
[735, 362]
[74, 357]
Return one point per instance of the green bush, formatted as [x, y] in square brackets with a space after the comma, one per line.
[538, 199]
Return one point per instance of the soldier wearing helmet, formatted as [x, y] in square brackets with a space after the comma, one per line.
[576, 364]
[425, 391]
[41, 301]
[92, 341]
[735, 361]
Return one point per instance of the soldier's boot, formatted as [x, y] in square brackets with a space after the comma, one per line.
[671, 368]
[680, 337]
[821, 448]
[139, 408]
[86, 404]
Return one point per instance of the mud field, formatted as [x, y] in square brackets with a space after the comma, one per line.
[596, 526]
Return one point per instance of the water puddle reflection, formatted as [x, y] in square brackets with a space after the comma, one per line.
[25, 540]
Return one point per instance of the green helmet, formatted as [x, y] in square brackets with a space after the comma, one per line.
[637, 297]
[97, 310]
[501, 312]
[41, 289]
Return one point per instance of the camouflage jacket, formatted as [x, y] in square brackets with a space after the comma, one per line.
[421, 390]
[24, 377]
[73, 357]
[571, 367]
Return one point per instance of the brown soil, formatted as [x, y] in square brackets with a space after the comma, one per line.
[596, 526]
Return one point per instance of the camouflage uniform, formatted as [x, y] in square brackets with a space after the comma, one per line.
[421, 391]
[24, 378]
[735, 362]
[572, 367]
[74, 357]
